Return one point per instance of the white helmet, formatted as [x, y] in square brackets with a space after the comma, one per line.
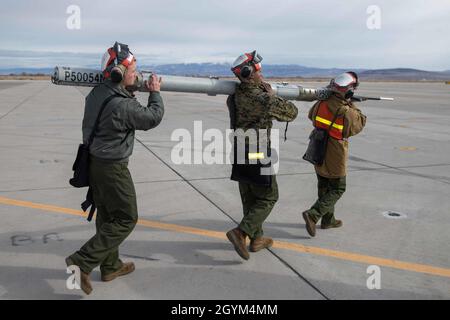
[345, 84]
[116, 60]
[246, 64]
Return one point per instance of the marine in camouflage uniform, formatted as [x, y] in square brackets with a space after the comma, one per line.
[255, 107]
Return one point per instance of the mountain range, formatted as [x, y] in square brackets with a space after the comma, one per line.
[223, 70]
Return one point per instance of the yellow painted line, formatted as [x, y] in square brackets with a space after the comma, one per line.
[183, 229]
[396, 264]
[145, 223]
[45, 207]
[348, 256]
[408, 148]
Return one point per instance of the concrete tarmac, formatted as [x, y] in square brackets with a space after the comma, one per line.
[399, 164]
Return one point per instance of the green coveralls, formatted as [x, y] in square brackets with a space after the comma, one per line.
[257, 203]
[111, 182]
[117, 215]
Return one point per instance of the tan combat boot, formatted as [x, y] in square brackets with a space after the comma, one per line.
[310, 224]
[260, 243]
[336, 224]
[237, 237]
[85, 283]
[127, 268]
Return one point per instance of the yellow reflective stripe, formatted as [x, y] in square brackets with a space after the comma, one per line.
[256, 156]
[328, 122]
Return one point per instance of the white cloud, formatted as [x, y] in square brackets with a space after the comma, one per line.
[324, 34]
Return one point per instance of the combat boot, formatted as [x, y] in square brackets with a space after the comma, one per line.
[85, 284]
[336, 224]
[310, 224]
[237, 237]
[260, 243]
[127, 268]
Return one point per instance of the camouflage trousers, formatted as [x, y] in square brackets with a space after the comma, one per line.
[115, 198]
[329, 192]
[257, 202]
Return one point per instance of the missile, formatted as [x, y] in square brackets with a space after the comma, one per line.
[361, 98]
[211, 86]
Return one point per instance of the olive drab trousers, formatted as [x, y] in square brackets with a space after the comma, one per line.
[330, 190]
[257, 202]
[115, 198]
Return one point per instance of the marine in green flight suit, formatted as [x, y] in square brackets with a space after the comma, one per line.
[110, 181]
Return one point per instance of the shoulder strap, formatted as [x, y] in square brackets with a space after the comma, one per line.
[285, 131]
[97, 121]
[231, 104]
[334, 117]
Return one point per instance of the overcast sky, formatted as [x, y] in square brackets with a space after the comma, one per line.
[333, 33]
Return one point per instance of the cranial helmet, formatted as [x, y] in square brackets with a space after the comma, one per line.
[345, 84]
[115, 61]
[246, 64]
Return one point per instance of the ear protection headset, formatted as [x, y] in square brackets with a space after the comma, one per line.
[116, 61]
[118, 73]
[246, 71]
[246, 64]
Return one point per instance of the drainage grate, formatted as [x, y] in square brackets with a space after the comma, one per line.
[394, 215]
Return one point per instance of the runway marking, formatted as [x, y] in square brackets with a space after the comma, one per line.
[342, 255]
[407, 148]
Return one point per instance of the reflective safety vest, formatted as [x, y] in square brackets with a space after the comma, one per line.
[324, 118]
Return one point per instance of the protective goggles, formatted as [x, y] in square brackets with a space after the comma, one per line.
[119, 54]
[256, 57]
[252, 58]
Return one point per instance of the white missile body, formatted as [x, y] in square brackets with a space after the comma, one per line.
[211, 86]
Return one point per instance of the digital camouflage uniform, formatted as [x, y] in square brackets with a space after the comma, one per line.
[110, 180]
[256, 106]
